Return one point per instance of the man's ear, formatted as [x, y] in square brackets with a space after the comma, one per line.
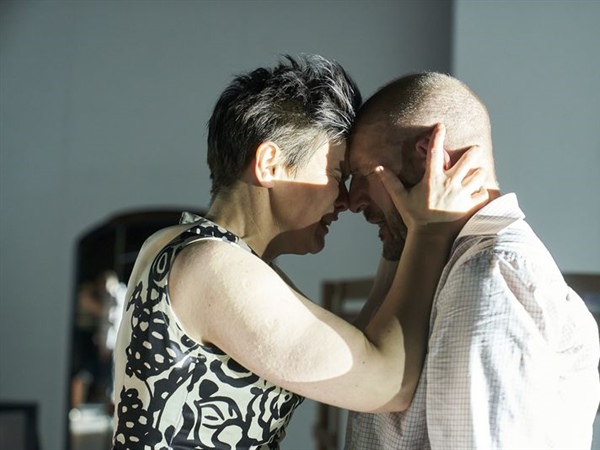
[266, 163]
[423, 148]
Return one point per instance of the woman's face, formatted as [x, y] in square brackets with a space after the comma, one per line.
[308, 202]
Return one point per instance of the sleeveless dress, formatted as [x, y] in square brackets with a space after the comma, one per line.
[172, 392]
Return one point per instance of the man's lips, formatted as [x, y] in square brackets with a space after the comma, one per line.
[384, 229]
[374, 219]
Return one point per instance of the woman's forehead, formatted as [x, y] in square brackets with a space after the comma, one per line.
[336, 153]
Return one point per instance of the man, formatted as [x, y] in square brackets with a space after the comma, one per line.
[513, 352]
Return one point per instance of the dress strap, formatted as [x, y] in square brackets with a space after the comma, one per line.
[205, 229]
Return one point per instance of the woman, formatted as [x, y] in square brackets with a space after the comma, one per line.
[216, 348]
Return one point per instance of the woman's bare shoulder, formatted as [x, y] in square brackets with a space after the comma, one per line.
[203, 277]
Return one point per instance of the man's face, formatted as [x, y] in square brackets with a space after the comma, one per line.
[372, 145]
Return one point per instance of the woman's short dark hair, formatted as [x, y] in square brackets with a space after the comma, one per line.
[299, 104]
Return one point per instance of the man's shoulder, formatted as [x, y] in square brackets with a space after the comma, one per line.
[517, 240]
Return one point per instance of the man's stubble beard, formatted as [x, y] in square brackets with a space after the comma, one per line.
[392, 249]
[393, 244]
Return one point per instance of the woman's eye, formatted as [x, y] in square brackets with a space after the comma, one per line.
[336, 175]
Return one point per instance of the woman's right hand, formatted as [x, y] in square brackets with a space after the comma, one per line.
[444, 197]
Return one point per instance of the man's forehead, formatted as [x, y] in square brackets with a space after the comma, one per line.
[370, 141]
[365, 128]
[363, 162]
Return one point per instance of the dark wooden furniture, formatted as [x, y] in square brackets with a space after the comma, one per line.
[345, 299]
[18, 426]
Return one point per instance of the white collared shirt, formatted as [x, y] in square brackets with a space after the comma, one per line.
[513, 352]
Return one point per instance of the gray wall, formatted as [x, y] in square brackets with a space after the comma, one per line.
[536, 65]
[103, 109]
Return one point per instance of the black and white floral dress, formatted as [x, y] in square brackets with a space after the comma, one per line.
[172, 392]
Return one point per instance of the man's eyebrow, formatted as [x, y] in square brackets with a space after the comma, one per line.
[354, 169]
[355, 173]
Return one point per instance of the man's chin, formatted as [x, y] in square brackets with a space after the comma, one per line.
[392, 251]
[384, 233]
[392, 245]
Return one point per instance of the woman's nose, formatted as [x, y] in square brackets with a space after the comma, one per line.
[342, 201]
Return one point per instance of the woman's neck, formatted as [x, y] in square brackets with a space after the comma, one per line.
[244, 211]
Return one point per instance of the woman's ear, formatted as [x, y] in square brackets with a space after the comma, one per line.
[423, 148]
[266, 163]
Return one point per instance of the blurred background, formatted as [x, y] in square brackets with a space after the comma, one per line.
[103, 111]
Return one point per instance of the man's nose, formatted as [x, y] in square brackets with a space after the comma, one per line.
[359, 198]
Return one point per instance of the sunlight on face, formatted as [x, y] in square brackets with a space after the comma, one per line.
[327, 163]
[310, 200]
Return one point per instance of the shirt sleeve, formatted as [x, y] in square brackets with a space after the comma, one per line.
[490, 362]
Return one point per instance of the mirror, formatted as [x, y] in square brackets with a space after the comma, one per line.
[105, 256]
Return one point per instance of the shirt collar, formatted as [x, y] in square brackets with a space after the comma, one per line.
[494, 217]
